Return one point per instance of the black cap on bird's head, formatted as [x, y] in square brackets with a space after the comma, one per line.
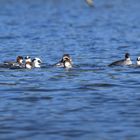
[19, 57]
[127, 55]
[33, 60]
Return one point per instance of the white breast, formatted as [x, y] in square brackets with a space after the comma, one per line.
[36, 65]
[67, 64]
[128, 62]
[28, 66]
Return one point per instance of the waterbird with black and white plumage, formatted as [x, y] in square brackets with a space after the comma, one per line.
[124, 62]
[65, 59]
[35, 63]
[67, 63]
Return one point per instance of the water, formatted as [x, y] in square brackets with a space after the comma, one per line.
[90, 101]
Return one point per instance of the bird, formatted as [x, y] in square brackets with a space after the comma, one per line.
[64, 58]
[123, 62]
[19, 62]
[35, 63]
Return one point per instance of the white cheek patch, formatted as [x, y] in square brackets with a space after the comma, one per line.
[21, 61]
[128, 59]
[36, 64]
[138, 62]
[28, 66]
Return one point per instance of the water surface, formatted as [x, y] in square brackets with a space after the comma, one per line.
[90, 101]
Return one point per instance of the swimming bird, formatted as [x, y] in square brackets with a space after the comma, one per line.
[123, 62]
[67, 63]
[36, 62]
[138, 61]
[65, 57]
[19, 62]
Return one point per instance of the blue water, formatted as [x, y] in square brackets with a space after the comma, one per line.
[90, 101]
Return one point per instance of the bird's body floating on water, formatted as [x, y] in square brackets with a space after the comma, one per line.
[65, 62]
[123, 62]
[19, 62]
[35, 63]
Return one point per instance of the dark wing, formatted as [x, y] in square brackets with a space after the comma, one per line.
[9, 63]
[117, 63]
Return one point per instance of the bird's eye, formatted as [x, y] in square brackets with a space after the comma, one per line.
[33, 60]
[39, 61]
